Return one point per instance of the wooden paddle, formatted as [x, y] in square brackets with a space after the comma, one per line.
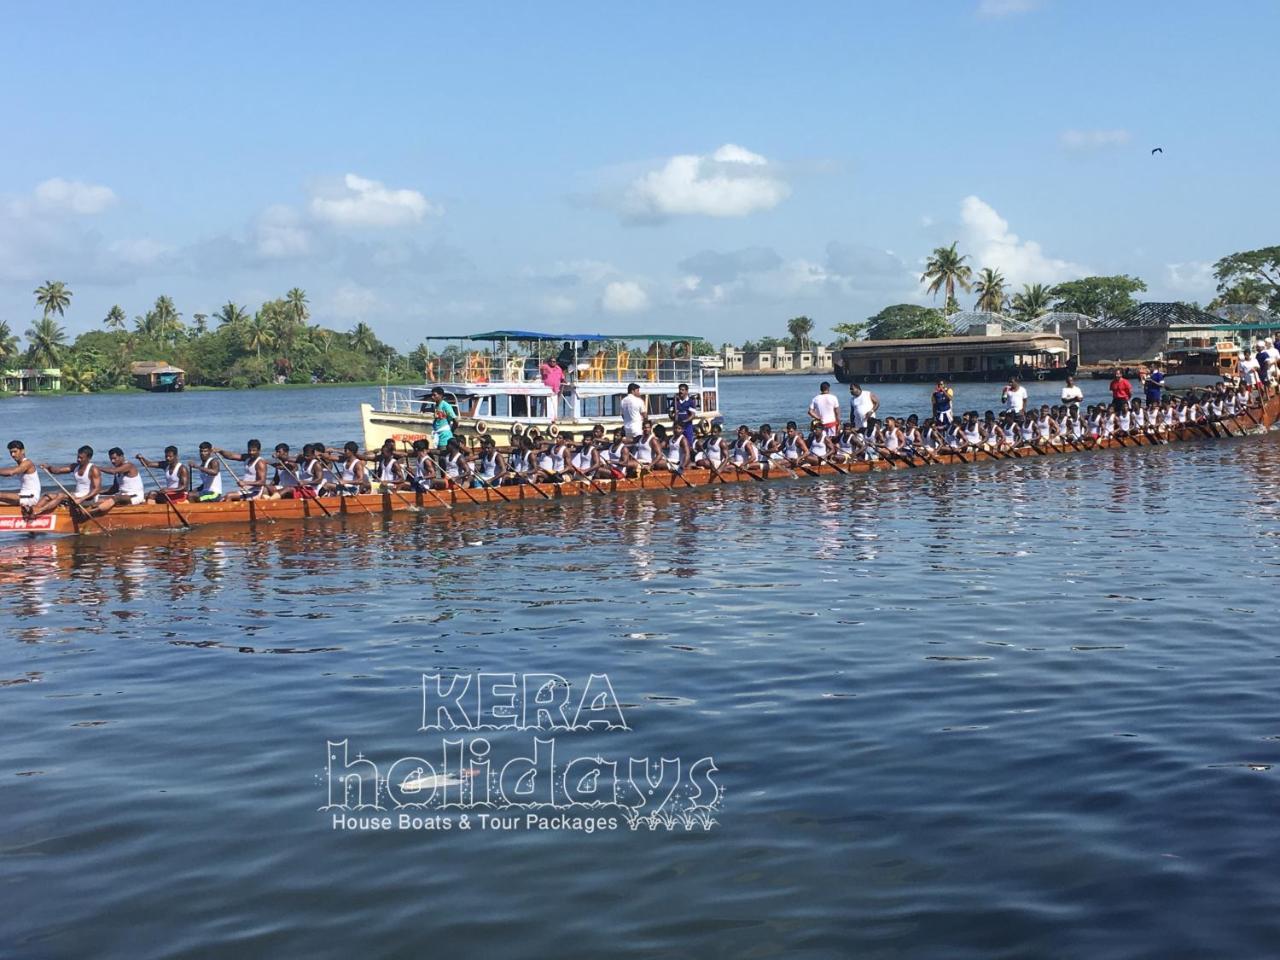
[169, 503]
[243, 489]
[492, 486]
[298, 481]
[72, 505]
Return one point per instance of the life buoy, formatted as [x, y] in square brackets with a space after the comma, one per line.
[517, 429]
[553, 430]
[481, 427]
[702, 427]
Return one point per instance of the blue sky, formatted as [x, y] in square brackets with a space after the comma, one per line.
[711, 168]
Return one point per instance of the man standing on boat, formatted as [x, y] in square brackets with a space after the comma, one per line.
[1153, 384]
[28, 493]
[864, 404]
[633, 412]
[1014, 396]
[942, 398]
[1121, 391]
[825, 409]
[1072, 396]
[445, 416]
[683, 407]
[552, 377]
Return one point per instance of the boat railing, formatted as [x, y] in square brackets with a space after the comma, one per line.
[483, 368]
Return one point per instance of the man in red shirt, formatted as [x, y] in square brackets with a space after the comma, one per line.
[1121, 391]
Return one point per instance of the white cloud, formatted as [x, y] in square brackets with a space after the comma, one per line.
[353, 302]
[367, 203]
[1193, 276]
[731, 182]
[1094, 139]
[279, 234]
[990, 243]
[73, 196]
[1006, 8]
[624, 296]
[557, 305]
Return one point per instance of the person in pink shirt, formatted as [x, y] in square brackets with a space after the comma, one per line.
[552, 377]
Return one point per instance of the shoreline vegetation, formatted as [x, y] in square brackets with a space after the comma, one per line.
[277, 346]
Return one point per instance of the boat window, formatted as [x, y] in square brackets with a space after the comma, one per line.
[893, 365]
[931, 364]
[913, 365]
[951, 364]
[969, 363]
[875, 366]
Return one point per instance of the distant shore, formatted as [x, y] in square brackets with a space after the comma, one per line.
[810, 372]
[6, 394]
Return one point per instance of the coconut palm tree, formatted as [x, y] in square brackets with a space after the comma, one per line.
[362, 338]
[231, 314]
[296, 301]
[800, 328]
[945, 270]
[115, 318]
[53, 296]
[168, 321]
[47, 342]
[200, 324]
[990, 287]
[8, 344]
[259, 332]
[1031, 302]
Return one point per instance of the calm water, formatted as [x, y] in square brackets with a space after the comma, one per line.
[1014, 710]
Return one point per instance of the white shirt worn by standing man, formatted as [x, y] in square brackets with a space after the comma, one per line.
[632, 412]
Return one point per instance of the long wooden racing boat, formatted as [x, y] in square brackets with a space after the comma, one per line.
[1258, 419]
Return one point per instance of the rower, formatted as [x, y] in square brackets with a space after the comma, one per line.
[585, 462]
[713, 450]
[176, 478]
[28, 493]
[389, 472]
[891, 438]
[794, 449]
[208, 471]
[492, 466]
[644, 448]
[254, 482]
[88, 482]
[424, 468]
[673, 450]
[285, 480]
[743, 452]
[848, 443]
[825, 408]
[553, 462]
[818, 443]
[352, 477]
[768, 447]
[618, 455]
[126, 490]
[457, 469]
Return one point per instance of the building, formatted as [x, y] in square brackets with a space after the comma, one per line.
[1148, 330]
[776, 359]
[30, 380]
[732, 357]
[1031, 356]
[157, 376]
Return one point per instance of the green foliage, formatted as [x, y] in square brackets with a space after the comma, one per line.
[1251, 277]
[990, 288]
[46, 342]
[945, 270]
[849, 331]
[800, 329]
[1097, 296]
[1034, 300]
[8, 345]
[52, 297]
[904, 321]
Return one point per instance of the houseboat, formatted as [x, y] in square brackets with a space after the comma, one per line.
[1028, 356]
[494, 383]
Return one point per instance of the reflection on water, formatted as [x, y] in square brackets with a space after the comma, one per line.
[1012, 709]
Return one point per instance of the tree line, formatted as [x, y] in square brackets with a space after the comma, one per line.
[232, 348]
[1250, 278]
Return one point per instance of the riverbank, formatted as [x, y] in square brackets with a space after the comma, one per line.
[118, 391]
[808, 372]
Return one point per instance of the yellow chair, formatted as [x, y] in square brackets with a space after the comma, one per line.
[596, 373]
[622, 360]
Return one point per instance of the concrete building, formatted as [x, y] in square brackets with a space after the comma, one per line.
[732, 358]
[1150, 329]
[31, 381]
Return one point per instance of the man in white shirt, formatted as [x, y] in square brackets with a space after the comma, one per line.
[633, 412]
[1014, 396]
[864, 404]
[826, 409]
[1072, 396]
